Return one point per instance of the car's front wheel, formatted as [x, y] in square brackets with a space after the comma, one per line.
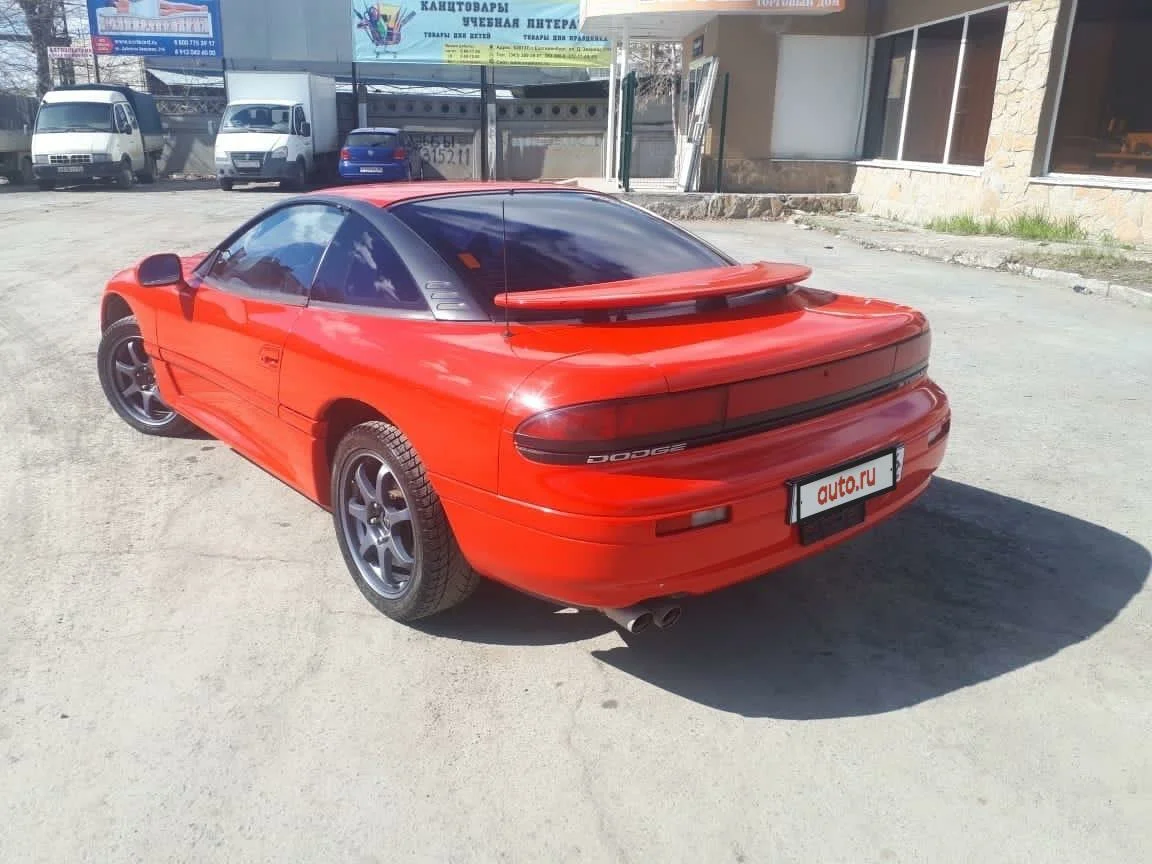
[130, 384]
[392, 528]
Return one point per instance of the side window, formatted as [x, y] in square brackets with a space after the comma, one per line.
[298, 120]
[362, 269]
[121, 117]
[280, 254]
[129, 115]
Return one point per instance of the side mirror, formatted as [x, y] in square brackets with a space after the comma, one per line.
[306, 129]
[157, 270]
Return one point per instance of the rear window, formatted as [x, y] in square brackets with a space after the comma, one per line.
[554, 240]
[373, 139]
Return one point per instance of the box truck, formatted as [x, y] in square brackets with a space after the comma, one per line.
[277, 126]
[88, 132]
[17, 114]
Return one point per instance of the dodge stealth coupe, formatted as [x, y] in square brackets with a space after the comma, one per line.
[540, 385]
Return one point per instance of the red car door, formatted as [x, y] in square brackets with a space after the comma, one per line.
[225, 338]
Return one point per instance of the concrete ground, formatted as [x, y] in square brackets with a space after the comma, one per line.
[189, 673]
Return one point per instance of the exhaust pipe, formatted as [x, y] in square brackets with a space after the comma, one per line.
[666, 614]
[634, 619]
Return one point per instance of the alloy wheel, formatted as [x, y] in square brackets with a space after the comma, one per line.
[135, 383]
[377, 523]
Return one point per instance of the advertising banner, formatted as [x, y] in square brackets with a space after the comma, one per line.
[476, 32]
[156, 28]
[599, 8]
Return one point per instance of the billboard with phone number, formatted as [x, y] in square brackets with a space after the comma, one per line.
[476, 32]
[156, 28]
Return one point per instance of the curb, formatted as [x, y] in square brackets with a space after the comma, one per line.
[1130, 295]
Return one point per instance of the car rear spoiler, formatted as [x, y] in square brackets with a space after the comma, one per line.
[654, 290]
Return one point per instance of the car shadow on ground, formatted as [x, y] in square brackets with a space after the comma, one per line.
[964, 586]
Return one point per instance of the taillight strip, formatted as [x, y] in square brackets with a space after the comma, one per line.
[591, 453]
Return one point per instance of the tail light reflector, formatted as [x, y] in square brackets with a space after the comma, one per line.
[345, 154]
[400, 153]
[691, 521]
[620, 427]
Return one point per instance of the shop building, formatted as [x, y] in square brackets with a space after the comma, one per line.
[922, 108]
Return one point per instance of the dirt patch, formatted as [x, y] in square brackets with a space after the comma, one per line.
[1116, 269]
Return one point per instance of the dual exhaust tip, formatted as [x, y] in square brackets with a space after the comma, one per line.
[637, 619]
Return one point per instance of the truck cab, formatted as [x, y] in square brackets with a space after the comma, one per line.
[88, 133]
[264, 140]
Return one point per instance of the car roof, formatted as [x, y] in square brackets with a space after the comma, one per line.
[375, 129]
[387, 194]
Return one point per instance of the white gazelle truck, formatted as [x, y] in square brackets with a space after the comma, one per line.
[277, 126]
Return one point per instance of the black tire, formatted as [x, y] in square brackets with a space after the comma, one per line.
[295, 182]
[46, 185]
[113, 341]
[148, 175]
[26, 175]
[126, 179]
[226, 184]
[440, 576]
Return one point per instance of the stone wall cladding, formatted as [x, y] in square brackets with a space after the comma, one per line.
[1006, 185]
[700, 205]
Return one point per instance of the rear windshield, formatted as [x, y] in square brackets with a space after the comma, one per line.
[554, 239]
[373, 139]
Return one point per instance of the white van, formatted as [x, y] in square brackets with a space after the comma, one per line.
[96, 132]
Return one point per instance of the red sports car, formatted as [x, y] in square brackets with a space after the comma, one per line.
[541, 385]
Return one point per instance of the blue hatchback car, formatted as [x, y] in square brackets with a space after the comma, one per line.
[378, 154]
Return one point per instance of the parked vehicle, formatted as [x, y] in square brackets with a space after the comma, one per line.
[102, 132]
[17, 114]
[377, 154]
[549, 387]
[277, 126]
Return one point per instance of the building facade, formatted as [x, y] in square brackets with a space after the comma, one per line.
[928, 108]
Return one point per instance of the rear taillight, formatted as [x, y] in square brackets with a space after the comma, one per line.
[628, 430]
[624, 429]
[345, 154]
[399, 153]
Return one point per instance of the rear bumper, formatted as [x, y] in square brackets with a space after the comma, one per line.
[88, 171]
[618, 560]
[354, 171]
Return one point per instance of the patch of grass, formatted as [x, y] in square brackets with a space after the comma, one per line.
[1035, 225]
[1038, 226]
[963, 223]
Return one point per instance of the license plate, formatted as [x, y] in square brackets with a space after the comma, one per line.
[819, 494]
[247, 163]
[371, 170]
[70, 169]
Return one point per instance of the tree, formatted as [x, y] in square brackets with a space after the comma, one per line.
[32, 25]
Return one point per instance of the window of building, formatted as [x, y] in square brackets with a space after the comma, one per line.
[1104, 121]
[932, 90]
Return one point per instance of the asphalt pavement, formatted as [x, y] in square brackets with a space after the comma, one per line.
[189, 673]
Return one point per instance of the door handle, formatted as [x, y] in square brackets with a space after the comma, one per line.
[269, 356]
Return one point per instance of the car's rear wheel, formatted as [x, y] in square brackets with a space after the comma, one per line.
[130, 384]
[226, 184]
[391, 526]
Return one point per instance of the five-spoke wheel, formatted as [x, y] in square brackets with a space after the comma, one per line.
[377, 525]
[391, 526]
[129, 382]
